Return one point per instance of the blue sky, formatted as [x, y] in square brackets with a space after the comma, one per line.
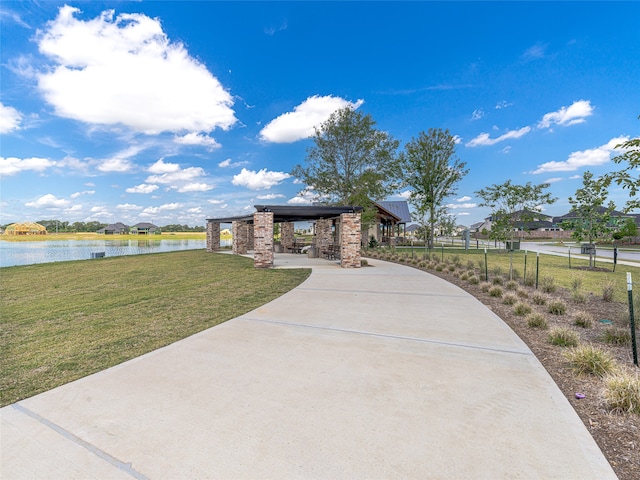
[174, 112]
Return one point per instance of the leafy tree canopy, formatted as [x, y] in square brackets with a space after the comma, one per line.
[351, 162]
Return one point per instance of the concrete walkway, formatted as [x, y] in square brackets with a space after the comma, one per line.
[374, 373]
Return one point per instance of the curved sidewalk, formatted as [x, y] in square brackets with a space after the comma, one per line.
[373, 373]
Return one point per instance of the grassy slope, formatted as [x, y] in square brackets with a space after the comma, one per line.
[62, 321]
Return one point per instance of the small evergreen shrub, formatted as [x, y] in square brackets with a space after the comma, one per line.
[622, 392]
[537, 320]
[617, 336]
[522, 293]
[495, 291]
[512, 285]
[590, 360]
[607, 291]
[539, 298]
[522, 308]
[563, 337]
[576, 284]
[557, 307]
[583, 319]
[578, 296]
[509, 298]
[547, 284]
[464, 276]
[529, 279]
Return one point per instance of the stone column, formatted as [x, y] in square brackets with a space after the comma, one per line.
[350, 240]
[263, 239]
[239, 232]
[287, 236]
[213, 236]
[323, 234]
[250, 240]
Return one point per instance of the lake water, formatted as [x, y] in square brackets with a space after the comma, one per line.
[46, 251]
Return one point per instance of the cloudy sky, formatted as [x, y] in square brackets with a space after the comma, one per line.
[174, 112]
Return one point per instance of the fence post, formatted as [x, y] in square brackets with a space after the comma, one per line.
[569, 258]
[537, 267]
[632, 322]
[486, 267]
[525, 266]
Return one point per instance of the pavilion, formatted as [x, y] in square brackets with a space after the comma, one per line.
[337, 231]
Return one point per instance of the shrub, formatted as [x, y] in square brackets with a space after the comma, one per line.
[509, 298]
[529, 279]
[563, 337]
[512, 285]
[557, 307]
[485, 286]
[456, 260]
[422, 264]
[537, 320]
[583, 319]
[539, 299]
[496, 271]
[576, 283]
[481, 264]
[364, 262]
[470, 265]
[591, 360]
[607, 291]
[474, 280]
[617, 336]
[522, 309]
[622, 392]
[547, 284]
[499, 280]
[452, 268]
[522, 293]
[464, 276]
[439, 267]
[495, 291]
[579, 297]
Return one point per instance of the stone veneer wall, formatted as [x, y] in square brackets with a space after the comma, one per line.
[263, 239]
[250, 240]
[350, 240]
[287, 236]
[213, 236]
[239, 232]
[323, 234]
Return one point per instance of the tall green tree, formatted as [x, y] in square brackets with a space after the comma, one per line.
[350, 162]
[511, 205]
[430, 168]
[628, 177]
[591, 217]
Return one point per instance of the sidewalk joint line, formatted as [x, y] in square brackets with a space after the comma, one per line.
[125, 467]
[417, 294]
[388, 335]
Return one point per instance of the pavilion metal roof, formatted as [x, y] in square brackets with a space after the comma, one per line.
[292, 213]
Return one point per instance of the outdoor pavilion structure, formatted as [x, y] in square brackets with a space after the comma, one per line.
[334, 227]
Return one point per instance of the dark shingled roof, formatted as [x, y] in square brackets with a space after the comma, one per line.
[399, 208]
[291, 213]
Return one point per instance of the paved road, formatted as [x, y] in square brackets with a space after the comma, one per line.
[371, 373]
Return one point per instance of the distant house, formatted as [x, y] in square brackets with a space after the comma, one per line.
[115, 229]
[145, 228]
[616, 218]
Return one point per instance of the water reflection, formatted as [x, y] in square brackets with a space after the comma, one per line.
[27, 253]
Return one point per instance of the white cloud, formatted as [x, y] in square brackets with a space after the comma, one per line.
[194, 210]
[126, 71]
[197, 139]
[162, 208]
[457, 139]
[128, 207]
[585, 158]
[565, 116]
[455, 206]
[215, 202]
[142, 188]
[115, 165]
[406, 194]
[484, 139]
[48, 201]
[300, 200]
[271, 196]
[299, 124]
[503, 104]
[78, 194]
[553, 180]
[195, 187]
[466, 198]
[229, 164]
[10, 119]
[13, 165]
[535, 52]
[261, 180]
[161, 167]
[477, 114]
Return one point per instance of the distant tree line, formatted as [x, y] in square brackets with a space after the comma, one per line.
[84, 227]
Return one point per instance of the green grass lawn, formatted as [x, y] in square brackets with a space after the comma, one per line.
[63, 321]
